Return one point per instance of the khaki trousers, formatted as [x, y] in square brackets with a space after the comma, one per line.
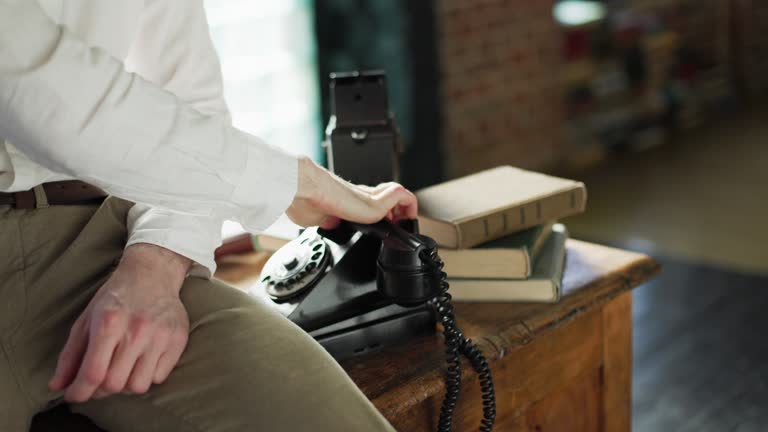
[246, 368]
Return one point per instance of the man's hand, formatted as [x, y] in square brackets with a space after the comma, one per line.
[323, 199]
[132, 333]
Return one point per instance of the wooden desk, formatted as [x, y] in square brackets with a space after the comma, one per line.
[562, 367]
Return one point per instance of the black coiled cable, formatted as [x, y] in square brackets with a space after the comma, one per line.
[456, 343]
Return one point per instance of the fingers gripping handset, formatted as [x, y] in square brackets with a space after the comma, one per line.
[402, 274]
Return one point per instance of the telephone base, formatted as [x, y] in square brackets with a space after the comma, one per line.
[374, 330]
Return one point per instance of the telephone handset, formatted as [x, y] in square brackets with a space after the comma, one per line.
[358, 287]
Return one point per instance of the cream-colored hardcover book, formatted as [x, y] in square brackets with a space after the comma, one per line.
[481, 207]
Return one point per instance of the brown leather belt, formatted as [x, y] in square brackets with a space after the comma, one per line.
[69, 192]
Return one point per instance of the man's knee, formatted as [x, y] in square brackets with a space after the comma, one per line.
[225, 319]
[255, 361]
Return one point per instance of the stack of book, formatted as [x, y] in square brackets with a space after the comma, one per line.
[498, 234]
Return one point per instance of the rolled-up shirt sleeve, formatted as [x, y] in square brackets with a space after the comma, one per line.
[76, 110]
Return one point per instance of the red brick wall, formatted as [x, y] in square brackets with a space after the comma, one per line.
[502, 103]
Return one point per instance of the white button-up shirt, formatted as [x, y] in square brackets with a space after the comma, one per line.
[127, 95]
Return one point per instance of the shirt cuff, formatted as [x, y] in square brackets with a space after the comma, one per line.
[268, 183]
[194, 237]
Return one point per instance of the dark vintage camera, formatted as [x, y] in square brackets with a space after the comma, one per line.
[362, 142]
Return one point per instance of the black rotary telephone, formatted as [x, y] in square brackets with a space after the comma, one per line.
[359, 287]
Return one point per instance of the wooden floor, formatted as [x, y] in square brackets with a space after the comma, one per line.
[700, 351]
[699, 205]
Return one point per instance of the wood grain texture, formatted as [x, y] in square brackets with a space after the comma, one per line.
[617, 364]
[575, 407]
[527, 374]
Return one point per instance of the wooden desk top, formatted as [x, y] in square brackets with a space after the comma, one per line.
[414, 371]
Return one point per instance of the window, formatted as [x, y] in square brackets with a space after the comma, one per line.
[268, 56]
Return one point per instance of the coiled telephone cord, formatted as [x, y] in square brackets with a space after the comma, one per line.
[455, 344]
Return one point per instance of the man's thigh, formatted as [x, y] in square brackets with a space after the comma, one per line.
[52, 261]
[246, 368]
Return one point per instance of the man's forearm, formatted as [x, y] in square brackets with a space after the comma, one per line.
[167, 266]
